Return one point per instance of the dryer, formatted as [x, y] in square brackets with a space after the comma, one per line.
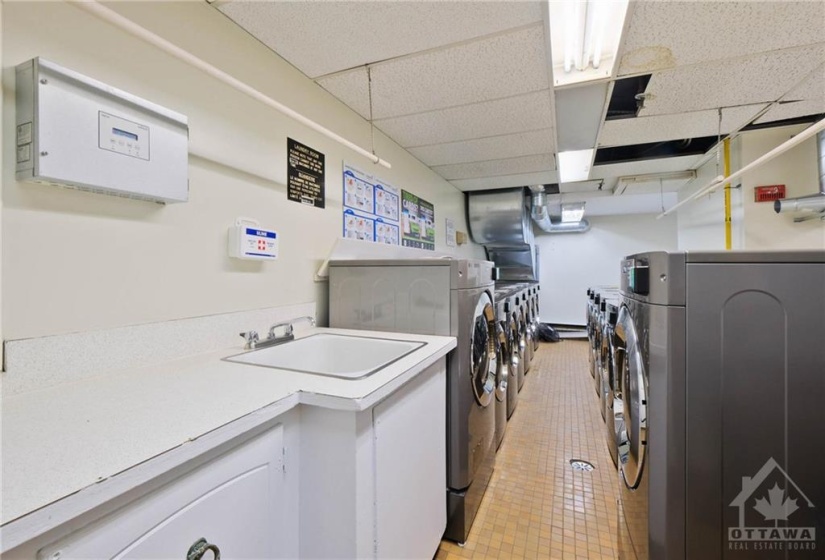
[720, 360]
[446, 297]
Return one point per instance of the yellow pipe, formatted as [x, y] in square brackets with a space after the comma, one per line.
[728, 233]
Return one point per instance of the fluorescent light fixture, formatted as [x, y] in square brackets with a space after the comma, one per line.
[584, 37]
[575, 165]
[572, 212]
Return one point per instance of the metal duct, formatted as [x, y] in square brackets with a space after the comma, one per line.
[542, 218]
[815, 202]
[500, 217]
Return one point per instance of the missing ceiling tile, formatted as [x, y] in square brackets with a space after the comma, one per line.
[627, 97]
[654, 150]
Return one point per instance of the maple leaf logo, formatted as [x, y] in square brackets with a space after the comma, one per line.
[776, 507]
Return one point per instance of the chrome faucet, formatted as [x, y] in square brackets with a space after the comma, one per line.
[252, 340]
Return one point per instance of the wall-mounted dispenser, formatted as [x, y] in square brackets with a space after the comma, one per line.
[248, 240]
[76, 132]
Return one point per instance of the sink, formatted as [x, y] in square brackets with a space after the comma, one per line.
[333, 355]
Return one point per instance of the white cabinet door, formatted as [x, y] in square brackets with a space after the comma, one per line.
[411, 467]
[231, 501]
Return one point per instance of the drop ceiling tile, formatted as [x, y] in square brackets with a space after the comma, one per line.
[808, 98]
[491, 68]
[511, 115]
[497, 167]
[506, 181]
[642, 167]
[350, 87]
[579, 113]
[793, 110]
[667, 34]
[324, 37]
[756, 79]
[482, 149]
[659, 128]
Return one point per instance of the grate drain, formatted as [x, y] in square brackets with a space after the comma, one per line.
[580, 465]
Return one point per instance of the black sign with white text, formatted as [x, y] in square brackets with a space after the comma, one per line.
[305, 174]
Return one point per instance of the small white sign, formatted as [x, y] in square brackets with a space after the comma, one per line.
[450, 229]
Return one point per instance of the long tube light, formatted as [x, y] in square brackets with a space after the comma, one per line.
[781, 149]
[585, 36]
[135, 30]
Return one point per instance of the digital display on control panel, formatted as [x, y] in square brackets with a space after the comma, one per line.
[638, 277]
[122, 136]
[129, 135]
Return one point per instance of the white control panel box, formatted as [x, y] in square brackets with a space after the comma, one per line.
[76, 132]
[247, 240]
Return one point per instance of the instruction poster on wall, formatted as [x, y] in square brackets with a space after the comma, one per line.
[305, 174]
[417, 222]
[371, 208]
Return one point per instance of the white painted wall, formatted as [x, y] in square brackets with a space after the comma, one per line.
[75, 261]
[797, 170]
[755, 225]
[570, 263]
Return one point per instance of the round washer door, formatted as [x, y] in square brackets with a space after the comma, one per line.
[483, 361]
[634, 400]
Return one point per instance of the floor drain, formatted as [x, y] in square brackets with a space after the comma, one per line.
[579, 465]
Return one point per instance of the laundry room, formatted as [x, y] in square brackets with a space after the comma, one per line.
[403, 279]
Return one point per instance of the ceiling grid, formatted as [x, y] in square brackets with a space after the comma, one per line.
[465, 87]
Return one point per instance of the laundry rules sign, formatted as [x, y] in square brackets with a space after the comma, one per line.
[305, 174]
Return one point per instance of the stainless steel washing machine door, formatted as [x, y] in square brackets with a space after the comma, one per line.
[483, 360]
[633, 437]
[634, 400]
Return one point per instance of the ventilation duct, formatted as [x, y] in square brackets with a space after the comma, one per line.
[543, 219]
[500, 220]
[815, 202]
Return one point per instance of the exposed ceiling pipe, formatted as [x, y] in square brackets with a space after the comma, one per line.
[130, 27]
[542, 217]
[809, 132]
[815, 202]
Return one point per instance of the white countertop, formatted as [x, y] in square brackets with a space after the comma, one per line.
[61, 440]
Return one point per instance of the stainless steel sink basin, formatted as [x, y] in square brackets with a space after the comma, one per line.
[333, 355]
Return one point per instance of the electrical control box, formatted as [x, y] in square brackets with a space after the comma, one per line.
[76, 132]
[247, 240]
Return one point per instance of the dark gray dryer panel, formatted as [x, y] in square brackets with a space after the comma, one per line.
[756, 388]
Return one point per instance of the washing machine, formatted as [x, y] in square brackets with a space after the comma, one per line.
[595, 339]
[522, 336]
[536, 319]
[527, 321]
[507, 377]
[592, 314]
[608, 374]
[721, 366]
[443, 297]
[504, 306]
[604, 366]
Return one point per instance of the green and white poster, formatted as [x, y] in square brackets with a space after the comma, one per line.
[417, 222]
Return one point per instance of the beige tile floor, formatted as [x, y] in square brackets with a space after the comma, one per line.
[537, 506]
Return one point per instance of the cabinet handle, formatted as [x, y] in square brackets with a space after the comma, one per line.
[199, 548]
